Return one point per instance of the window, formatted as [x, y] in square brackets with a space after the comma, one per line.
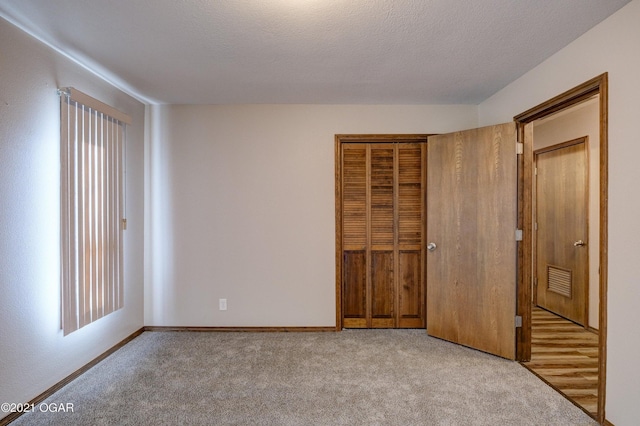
[92, 208]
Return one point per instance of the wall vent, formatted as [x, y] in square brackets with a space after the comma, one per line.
[559, 280]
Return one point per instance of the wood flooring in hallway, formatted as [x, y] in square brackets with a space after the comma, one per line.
[565, 355]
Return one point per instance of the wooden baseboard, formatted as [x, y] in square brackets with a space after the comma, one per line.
[53, 389]
[607, 423]
[241, 329]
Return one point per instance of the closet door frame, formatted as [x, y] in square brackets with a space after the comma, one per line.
[356, 138]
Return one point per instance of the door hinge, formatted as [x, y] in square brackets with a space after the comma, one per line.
[519, 148]
[518, 321]
[518, 234]
[535, 171]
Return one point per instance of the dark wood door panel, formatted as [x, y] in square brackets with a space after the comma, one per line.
[354, 285]
[382, 285]
[411, 298]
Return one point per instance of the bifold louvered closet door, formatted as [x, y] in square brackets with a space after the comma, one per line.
[383, 220]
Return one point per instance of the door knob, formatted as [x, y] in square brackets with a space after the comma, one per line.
[579, 243]
[431, 246]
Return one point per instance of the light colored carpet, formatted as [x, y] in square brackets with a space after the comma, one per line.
[355, 377]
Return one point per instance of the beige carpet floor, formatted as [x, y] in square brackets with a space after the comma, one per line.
[355, 377]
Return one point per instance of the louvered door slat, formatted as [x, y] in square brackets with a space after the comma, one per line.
[354, 204]
[382, 195]
[410, 199]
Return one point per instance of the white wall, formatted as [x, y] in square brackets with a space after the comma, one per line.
[33, 352]
[243, 207]
[576, 122]
[612, 46]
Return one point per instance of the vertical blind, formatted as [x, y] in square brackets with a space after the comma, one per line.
[92, 208]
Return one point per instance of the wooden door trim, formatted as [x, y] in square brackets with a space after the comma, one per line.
[582, 139]
[355, 138]
[595, 86]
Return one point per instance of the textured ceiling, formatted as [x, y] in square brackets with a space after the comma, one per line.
[309, 51]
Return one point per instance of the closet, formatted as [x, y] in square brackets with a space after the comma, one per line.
[382, 183]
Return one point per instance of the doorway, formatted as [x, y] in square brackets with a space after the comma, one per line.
[593, 89]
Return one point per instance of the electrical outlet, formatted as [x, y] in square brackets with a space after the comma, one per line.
[223, 304]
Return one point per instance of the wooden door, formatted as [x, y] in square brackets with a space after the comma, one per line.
[561, 202]
[383, 220]
[471, 232]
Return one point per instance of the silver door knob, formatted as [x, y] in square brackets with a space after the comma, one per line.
[431, 246]
[579, 243]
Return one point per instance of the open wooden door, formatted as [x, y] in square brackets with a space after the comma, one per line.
[471, 236]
